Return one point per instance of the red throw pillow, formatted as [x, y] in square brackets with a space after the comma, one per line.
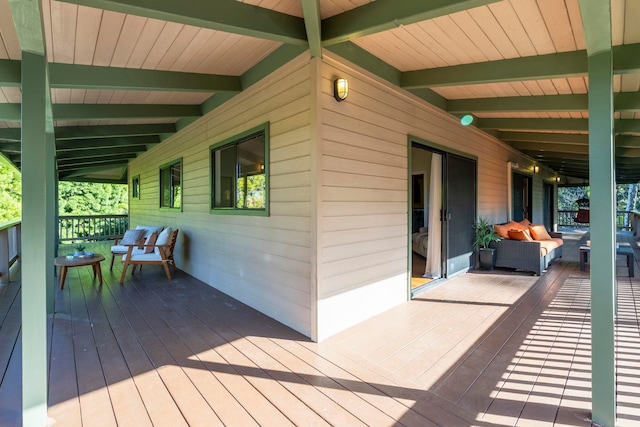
[520, 235]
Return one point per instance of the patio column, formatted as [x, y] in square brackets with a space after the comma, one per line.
[37, 232]
[603, 238]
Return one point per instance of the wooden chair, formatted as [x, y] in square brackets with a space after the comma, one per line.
[120, 249]
[161, 255]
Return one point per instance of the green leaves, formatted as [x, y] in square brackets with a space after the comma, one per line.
[10, 192]
[484, 233]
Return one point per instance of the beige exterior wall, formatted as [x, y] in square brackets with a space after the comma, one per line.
[363, 196]
[334, 250]
[264, 262]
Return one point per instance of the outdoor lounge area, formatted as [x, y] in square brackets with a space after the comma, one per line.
[495, 348]
[297, 146]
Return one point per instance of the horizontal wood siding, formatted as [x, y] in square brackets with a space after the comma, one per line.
[363, 199]
[264, 262]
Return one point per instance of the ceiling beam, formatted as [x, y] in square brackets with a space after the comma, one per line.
[122, 111]
[66, 164]
[544, 137]
[10, 113]
[626, 101]
[558, 156]
[229, 16]
[10, 134]
[627, 126]
[357, 55]
[110, 131]
[626, 59]
[83, 170]
[100, 153]
[547, 148]
[10, 73]
[82, 144]
[544, 103]
[11, 147]
[382, 15]
[566, 64]
[311, 12]
[535, 124]
[627, 141]
[92, 77]
[623, 102]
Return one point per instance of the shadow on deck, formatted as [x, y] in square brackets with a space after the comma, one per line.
[483, 349]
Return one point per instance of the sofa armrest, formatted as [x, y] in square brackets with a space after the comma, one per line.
[555, 234]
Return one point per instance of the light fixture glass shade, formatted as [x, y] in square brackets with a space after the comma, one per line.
[536, 169]
[466, 120]
[340, 89]
[557, 179]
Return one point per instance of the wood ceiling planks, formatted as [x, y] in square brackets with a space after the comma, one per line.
[88, 36]
[565, 86]
[84, 96]
[9, 45]
[502, 30]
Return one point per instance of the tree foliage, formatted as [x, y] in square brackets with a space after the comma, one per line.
[85, 198]
[10, 192]
[626, 197]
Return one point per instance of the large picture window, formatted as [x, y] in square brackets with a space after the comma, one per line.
[239, 173]
[171, 185]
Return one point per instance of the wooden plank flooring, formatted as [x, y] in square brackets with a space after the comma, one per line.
[487, 348]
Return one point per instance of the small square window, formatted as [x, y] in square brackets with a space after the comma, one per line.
[171, 185]
[135, 187]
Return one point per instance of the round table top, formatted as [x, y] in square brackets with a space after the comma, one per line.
[75, 261]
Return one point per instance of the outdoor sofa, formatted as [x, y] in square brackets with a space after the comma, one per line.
[534, 253]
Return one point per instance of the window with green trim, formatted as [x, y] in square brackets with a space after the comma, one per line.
[171, 185]
[135, 187]
[239, 173]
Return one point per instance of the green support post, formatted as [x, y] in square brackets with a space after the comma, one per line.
[603, 238]
[36, 256]
[51, 207]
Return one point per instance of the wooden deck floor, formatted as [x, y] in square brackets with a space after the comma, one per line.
[491, 349]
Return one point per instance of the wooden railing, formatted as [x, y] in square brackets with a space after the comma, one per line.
[624, 220]
[91, 227]
[9, 247]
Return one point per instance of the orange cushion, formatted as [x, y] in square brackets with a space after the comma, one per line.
[525, 222]
[547, 246]
[518, 226]
[539, 232]
[520, 235]
[502, 230]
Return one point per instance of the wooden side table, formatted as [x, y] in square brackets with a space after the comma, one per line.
[65, 263]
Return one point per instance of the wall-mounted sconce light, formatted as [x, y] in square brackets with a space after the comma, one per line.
[261, 166]
[466, 120]
[557, 180]
[340, 89]
[536, 169]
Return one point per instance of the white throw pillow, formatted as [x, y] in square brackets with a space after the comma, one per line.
[132, 237]
[148, 229]
[163, 239]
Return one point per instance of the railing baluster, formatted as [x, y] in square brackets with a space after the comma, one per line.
[91, 227]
